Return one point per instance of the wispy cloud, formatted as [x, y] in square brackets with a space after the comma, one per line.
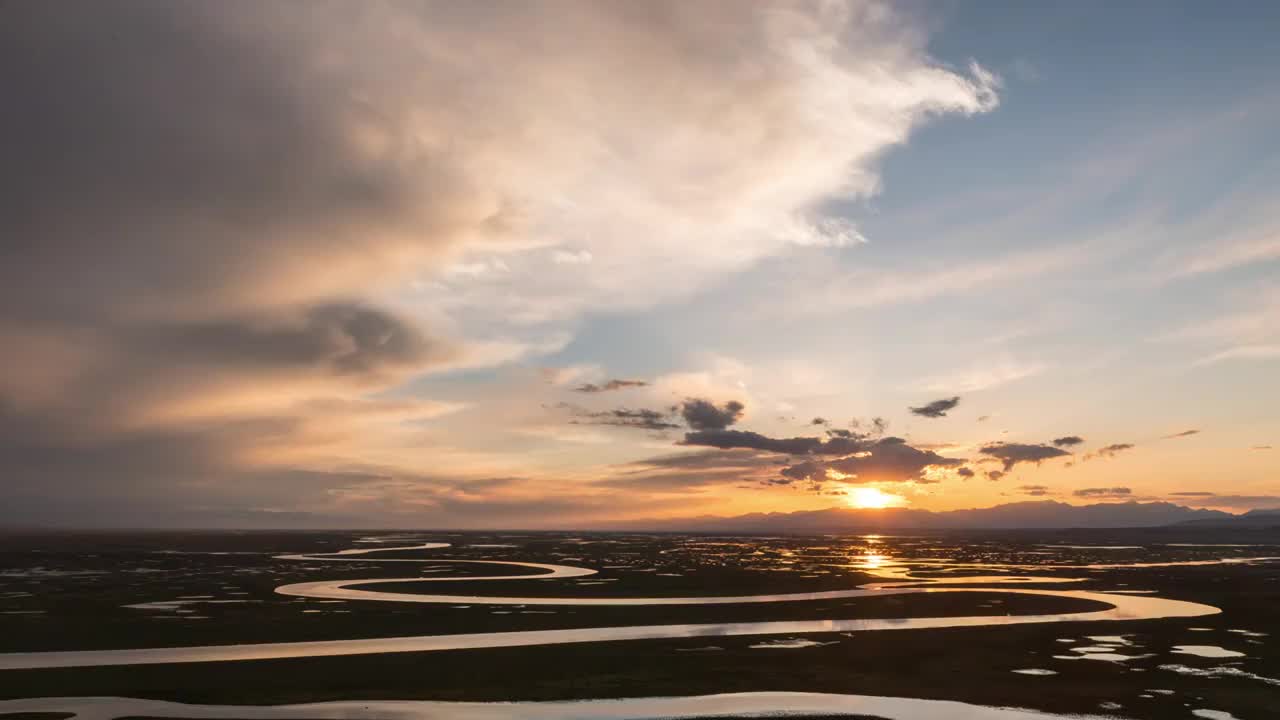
[1109, 451]
[983, 375]
[1235, 502]
[1242, 352]
[1220, 255]
[610, 385]
[866, 288]
[1103, 492]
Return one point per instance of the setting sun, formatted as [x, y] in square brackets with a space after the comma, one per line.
[869, 497]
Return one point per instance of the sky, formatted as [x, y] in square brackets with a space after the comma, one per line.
[558, 265]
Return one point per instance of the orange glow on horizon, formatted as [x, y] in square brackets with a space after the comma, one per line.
[870, 498]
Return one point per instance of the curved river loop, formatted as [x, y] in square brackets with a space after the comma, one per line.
[895, 579]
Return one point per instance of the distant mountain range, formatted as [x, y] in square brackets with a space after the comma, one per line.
[1254, 519]
[1047, 514]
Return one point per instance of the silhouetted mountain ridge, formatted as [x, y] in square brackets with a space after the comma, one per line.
[1020, 515]
[1252, 520]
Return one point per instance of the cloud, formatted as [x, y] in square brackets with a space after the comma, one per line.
[1217, 256]
[190, 260]
[610, 385]
[875, 287]
[705, 415]
[700, 414]
[641, 418]
[710, 459]
[694, 470]
[983, 376]
[937, 408]
[1109, 451]
[727, 439]
[1034, 490]
[1242, 352]
[995, 475]
[1250, 329]
[668, 190]
[1013, 453]
[333, 339]
[842, 454]
[1249, 320]
[566, 257]
[888, 459]
[875, 426]
[1114, 492]
[1235, 502]
[1260, 447]
[964, 472]
[1068, 441]
[224, 190]
[1184, 433]
[1193, 494]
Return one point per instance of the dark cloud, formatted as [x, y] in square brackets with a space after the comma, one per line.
[193, 159]
[837, 442]
[710, 459]
[704, 415]
[1013, 453]
[937, 408]
[995, 475]
[863, 456]
[188, 204]
[1184, 433]
[1113, 492]
[610, 385]
[1034, 490]
[339, 339]
[875, 426]
[819, 421]
[144, 475]
[641, 418]
[1068, 441]
[888, 459]
[726, 439]
[701, 415]
[692, 470]
[1193, 493]
[1109, 451]
[964, 472]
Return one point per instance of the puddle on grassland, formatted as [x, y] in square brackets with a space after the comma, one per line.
[1207, 651]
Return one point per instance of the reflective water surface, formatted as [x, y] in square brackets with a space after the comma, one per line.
[727, 705]
[1118, 607]
[605, 589]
